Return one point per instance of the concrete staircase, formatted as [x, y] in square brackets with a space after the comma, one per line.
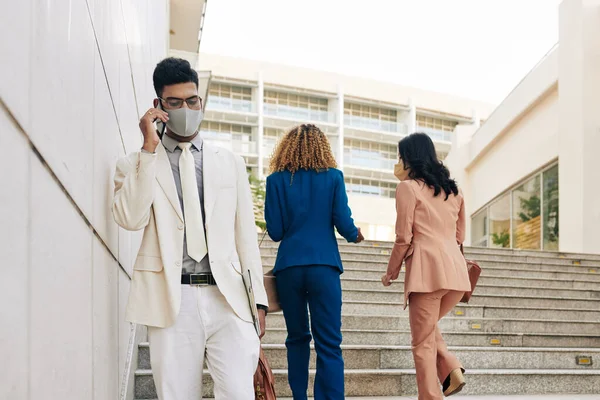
[532, 327]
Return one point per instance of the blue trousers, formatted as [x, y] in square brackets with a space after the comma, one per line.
[317, 288]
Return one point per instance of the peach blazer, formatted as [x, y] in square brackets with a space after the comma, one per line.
[428, 233]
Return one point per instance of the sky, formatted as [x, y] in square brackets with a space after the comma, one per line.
[477, 49]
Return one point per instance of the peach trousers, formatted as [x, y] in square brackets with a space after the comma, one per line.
[433, 361]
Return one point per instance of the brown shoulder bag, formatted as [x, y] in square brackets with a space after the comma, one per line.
[474, 271]
[264, 381]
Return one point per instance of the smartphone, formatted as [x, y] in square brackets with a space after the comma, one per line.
[160, 126]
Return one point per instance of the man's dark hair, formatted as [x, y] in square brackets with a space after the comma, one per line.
[172, 71]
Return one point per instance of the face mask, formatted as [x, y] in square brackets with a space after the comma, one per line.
[399, 171]
[184, 122]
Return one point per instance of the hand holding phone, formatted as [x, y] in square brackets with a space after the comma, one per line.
[148, 129]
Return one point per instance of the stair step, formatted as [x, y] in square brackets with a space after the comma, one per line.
[459, 324]
[506, 312]
[380, 264]
[374, 282]
[392, 357]
[508, 274]
[459, 397]
[477, 311]
[375, 247]
[354, 258]
[401, 382]
[453, 338]
[392, 305]
[532, 314]
[375, 287]
[533, 301]
[492, 278]
[472, 253]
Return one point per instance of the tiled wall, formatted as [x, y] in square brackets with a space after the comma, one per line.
[74, 77]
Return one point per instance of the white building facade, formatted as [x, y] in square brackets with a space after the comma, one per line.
[509, 162]
[75, 78]
[530, 174]
[251, 104]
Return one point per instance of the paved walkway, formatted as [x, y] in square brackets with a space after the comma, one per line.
[540, 397]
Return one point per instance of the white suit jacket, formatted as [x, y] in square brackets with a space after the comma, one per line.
[146, 198]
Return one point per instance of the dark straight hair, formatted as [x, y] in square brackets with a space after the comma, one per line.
[418, 153]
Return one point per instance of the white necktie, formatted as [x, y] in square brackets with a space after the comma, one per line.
[194, 225]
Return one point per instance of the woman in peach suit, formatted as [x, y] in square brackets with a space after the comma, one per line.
[430, 227]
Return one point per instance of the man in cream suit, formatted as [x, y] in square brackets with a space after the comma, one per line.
[194, 204]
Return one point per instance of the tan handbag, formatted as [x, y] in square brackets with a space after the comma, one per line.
[271, 287]
[474, 271]
[264, 381]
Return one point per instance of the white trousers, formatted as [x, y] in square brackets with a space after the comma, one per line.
[206, 324]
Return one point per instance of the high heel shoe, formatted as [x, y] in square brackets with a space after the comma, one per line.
[454, 383]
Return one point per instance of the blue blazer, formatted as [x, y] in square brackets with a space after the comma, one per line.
[302, 214]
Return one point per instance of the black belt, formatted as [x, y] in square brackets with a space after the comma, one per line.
[198, 279]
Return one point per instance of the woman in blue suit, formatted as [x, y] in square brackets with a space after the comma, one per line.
[305, 200]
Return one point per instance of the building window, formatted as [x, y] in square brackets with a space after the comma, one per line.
[527, 227]
[500, 222]
[220, 127]
[550, 208]
[271, 137]
[371, 112]
[295, 100]
[436, 128]
[436, 123]
[297, 107]
[222, 96]
[237, 138]
[479, 229]
[230, 91]
[524, 217]
[371, 187]
[362, 116]
[370, 155]
[273, 133]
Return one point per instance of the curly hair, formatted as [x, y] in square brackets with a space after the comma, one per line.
[417, 151]
[303, 147]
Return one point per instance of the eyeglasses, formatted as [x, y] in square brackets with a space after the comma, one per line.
[194, 102]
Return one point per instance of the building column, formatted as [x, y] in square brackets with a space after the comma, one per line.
[579, 126]
[340, 117]
[476, 119]
[464, 132]
[412, 117]
[261, 134]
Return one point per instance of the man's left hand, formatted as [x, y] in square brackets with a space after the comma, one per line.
[262, 318]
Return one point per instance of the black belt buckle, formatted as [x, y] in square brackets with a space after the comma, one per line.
[199, 279]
